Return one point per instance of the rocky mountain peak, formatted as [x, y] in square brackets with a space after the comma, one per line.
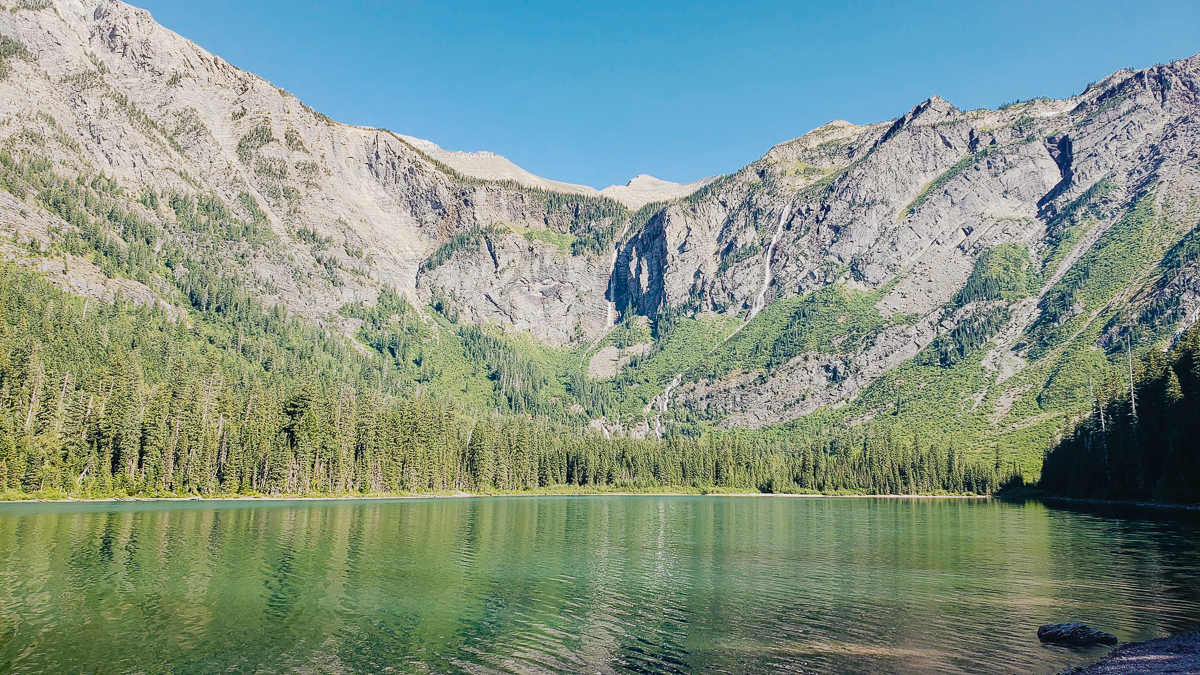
[932, 111]
[928, 113]
[645, 181]
[645, 189]
[491, 166]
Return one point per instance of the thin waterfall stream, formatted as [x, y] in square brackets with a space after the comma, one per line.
[760, 299]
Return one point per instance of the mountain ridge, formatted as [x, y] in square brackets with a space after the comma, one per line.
[639, 191]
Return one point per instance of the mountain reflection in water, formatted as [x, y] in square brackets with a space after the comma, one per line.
[580, 584]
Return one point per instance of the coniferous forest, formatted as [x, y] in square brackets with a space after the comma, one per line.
[114, 398]
[1141, 442]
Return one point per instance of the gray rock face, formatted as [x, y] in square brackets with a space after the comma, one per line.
[528, 285]
[1075, 635]
[807, 382]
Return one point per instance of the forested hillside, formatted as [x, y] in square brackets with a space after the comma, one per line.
[1140, 443]
[112, 399]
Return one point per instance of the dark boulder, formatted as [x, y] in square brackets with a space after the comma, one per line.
[1075, 635]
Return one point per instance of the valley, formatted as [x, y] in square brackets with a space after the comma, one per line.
[947, 283]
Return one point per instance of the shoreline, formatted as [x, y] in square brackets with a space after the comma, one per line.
[1175, 654]
[1117, 502]
[1050, 500]
[462, 495]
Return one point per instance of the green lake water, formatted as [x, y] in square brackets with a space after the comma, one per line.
[580, 584]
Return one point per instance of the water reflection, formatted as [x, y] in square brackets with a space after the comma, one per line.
[593, 584]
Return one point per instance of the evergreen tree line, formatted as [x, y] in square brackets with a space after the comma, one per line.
[1140, 442]
[112, 398]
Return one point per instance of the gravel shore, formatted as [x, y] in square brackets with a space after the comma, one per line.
[1177, 654]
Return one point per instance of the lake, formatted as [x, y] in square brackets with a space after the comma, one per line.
[596, 584]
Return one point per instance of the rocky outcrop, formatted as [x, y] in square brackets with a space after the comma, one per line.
[526, 284]
[1074, 635]
[608, 361]
[807, 382]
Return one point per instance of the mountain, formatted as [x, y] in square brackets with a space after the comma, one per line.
[643, 190]
[955, 274]
[492, 167]
[638, 192]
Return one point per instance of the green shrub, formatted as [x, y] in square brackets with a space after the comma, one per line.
[1137, 240]
[465, 241]
[738, 256]
[11, 49]
[966, 338]
[254, 140]
[831, 320]
[293, 141]
[564, 242]
[1068, 225]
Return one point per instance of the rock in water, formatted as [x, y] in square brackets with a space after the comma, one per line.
[1075, 634]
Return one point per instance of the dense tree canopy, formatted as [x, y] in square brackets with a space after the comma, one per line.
[1141, 447]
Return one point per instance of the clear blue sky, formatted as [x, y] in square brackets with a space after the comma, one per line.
[596, 93]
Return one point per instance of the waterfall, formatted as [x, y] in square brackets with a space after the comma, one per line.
[760, 299]
[666, 395]
[664, 399]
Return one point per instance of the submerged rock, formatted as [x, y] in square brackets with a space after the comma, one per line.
[1074, 634]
